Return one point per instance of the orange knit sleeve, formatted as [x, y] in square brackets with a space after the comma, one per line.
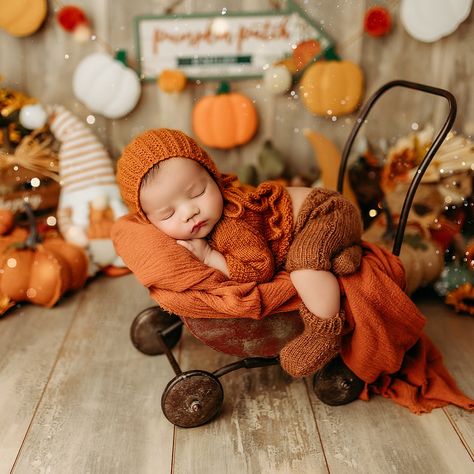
[245, 250]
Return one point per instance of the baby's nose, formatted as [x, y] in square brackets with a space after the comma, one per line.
[190, 212]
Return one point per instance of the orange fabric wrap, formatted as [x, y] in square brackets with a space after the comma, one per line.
[383, 343]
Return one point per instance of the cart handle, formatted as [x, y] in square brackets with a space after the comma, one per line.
[427, 158]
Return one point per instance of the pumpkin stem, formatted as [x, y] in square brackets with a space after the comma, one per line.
[224, 88]
[331, 55]
[121, 56]
[33, 237]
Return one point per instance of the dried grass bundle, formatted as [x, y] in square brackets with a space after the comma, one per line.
[34, 153]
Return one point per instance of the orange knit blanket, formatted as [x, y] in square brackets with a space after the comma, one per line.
[383, 343]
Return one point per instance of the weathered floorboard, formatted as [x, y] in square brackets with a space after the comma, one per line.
[453, 334]
[30, 338]
[266, 424]
[380, 436]
[101, 409]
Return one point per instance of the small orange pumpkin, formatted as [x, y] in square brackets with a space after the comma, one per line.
[22, 17]
[7, 219]
[41, 272]
[171, 80]
[225, 120]
[332, 87]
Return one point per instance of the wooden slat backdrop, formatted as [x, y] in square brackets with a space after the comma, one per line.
[38, 66]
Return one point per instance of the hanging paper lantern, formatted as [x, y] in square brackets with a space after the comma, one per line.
[430, 20]
[22, 17]
[225, 120]
[73, 20]
[106, 86]
[377, 21]
[332, 87]
[277, 79]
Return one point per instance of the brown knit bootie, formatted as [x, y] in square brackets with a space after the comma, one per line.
[315, 347]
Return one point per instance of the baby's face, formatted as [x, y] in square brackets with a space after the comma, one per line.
[182, 200]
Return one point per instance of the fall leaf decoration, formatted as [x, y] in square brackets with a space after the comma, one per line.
[462, 299]
[38, 271]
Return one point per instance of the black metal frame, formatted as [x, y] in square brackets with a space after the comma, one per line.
[247, 363]
[252, 362]
[427, 158]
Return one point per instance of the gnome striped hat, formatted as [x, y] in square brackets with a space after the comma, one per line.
[148, 149]
[83, 160]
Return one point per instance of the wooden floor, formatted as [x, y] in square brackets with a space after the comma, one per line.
[76, 397]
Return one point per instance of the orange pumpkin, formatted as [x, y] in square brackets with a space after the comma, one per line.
[225, 120]
[41, 272]
[22, 17]
[171, 81]
[332, 87]
[7, 220]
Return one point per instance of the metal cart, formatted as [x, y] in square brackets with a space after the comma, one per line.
[194, 397]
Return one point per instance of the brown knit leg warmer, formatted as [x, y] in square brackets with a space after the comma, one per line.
[328, 230]
[315, 347]
[348, 261]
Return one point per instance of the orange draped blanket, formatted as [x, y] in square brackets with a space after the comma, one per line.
[384, 343]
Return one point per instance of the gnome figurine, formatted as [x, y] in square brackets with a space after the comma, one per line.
[87, 178]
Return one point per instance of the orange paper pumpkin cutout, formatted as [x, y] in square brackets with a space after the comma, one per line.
[225, 120]
[332, 87]
[171, 81]
[22, 17]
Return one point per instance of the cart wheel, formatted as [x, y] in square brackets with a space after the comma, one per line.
[148, 324]
[192, 398]
[336, 384]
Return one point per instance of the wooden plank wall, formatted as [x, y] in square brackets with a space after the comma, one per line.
[42, 65]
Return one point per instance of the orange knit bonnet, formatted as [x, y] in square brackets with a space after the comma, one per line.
[148, 149]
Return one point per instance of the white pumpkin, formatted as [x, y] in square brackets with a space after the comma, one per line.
[277, 79]
[106, 86]
[430, 20]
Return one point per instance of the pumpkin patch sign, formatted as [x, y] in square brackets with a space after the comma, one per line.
[222, 45]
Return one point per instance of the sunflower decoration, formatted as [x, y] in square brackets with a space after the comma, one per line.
[29, 167]
[462, 299]
[11, 131]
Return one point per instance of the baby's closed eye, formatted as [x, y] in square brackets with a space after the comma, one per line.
[167, 216]
[199, 193]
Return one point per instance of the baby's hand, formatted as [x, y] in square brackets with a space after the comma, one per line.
[198, 247]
